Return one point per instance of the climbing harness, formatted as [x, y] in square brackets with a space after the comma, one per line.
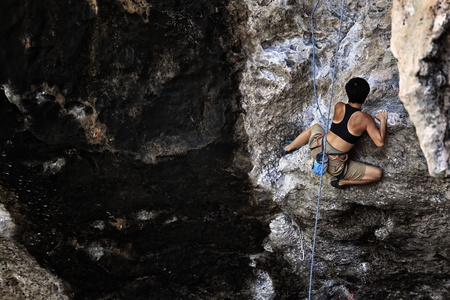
[350, 297]
[320, 165]
[327, 123]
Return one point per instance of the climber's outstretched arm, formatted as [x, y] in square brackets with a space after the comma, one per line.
[378, 135]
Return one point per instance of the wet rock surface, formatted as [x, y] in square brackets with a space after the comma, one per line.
[140, 153]
[122, 143]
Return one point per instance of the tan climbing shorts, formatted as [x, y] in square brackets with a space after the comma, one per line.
[355, 170]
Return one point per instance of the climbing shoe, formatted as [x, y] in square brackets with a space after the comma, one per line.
[335, 183]
[283, 145]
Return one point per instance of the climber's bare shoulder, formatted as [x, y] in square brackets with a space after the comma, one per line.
[359, 122]
[339, 111]
[366, 121]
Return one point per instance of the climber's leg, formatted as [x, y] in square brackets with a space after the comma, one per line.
[303, 138]
[371, 174]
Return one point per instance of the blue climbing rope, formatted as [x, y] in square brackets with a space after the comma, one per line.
[327, 123]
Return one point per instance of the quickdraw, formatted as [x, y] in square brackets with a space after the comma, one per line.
[317, 141]
[304, 14]
[337, 157]
[302, 251]
[350, 297]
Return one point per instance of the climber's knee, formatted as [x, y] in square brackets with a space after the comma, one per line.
[314, 126]
[372, 174]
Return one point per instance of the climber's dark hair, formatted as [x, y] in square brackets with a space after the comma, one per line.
[357, 90]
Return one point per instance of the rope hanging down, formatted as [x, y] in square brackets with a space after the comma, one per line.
[327, 122]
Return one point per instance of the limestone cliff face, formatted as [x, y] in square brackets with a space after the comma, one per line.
[140, 150]
[370, 238]
[420, 41]
[123, 148]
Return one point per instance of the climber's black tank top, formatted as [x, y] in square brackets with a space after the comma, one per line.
[341, 129]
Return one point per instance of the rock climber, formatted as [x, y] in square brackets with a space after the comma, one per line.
[348, 124]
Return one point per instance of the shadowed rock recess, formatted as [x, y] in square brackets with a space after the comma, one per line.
[140, 152]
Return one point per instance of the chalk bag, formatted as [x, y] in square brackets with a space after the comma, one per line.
[320, 164]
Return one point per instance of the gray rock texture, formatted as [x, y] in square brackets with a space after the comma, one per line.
[21, 277]
[140, 150]
[369, 237]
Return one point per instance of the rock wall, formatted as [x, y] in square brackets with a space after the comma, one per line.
[370, 238]
[141, 151]
[21, 276]
[420, 41]
[123, 146]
